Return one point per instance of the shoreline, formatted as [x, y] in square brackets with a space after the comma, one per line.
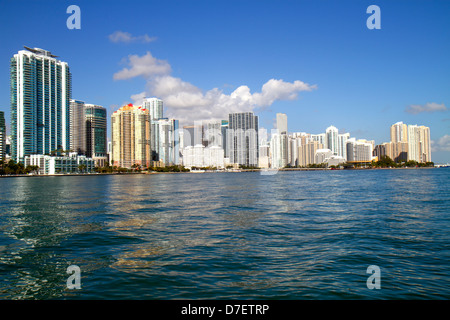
[211, 171]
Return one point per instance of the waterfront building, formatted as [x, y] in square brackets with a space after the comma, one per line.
[166, 137]
[72, 163]
[359, 150]
[399, 132]
[322, 155]
[131, 136]
[331, 143]
[40, 103]
[96, 135]
[200, 156]
[242, 139]
[380, 150]
[279, 152]
[2, 137]
[282, 124]
[77, 127]
[8, 148]
[264, 156]
[224, 130]
[193, 135]
[307, 152]
[342, 145]
[155, 107]
[213, 133]
[320, 138]
[419, 145]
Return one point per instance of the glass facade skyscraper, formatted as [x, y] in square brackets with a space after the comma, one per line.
[96, 136]
[155, 106]
[2, 136]
[40, 103]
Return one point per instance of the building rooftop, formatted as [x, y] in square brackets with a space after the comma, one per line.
[40, 52]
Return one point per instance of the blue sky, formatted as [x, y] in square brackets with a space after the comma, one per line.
[316, 61]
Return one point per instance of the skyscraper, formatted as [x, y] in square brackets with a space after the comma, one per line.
[282, 125]
[399, 132]
[168, 141]
[2, 136]
[419, 146]
[359, 150]
[40, 103]
[307, 152]
[332, 139]
[279, 143]
[342, 145]
[155, 107]
[131, 136]
[77, 127]
[242, 139]
[96, 136]
[397, 149]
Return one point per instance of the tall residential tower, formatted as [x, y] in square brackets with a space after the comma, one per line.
[40, 103]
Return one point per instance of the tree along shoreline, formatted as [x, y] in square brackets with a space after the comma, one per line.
[13, 169]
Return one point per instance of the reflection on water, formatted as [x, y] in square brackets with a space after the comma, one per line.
[291, 235]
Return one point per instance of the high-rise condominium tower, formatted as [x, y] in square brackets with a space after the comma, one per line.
[131, 137]
[282, 125]
[96, 136]
[77, 127]
[40, 99]
[399, 132]
[2, 136]
[155, 107]
[279, 143]
[332, 139]
[242, 139]
[419, 146]
[166, 136]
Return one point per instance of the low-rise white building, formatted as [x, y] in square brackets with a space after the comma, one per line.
[200, 156]
[72, 163]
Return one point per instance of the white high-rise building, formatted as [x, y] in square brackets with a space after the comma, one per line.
[342, 145]
[165, 133]
[322, 155]
[359, 150]
[419, 145]
[279, 152]
[200, 156]
[77, 127]
[242, 138]
[40, 103]
[282, 125]
[399, 132]
[332, 139]
[320, 138]
[155, 106]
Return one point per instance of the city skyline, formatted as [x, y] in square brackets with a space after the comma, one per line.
[308, 82]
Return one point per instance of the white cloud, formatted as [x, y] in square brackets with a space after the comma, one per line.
[188, 103]
[138, 98]
[126, 37]
[443, 144]
[145, 66]
[428, 107]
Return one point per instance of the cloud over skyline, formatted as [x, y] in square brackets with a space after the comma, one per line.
[442, 144]
[428, 107]
[126, 37]
[188, 103]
